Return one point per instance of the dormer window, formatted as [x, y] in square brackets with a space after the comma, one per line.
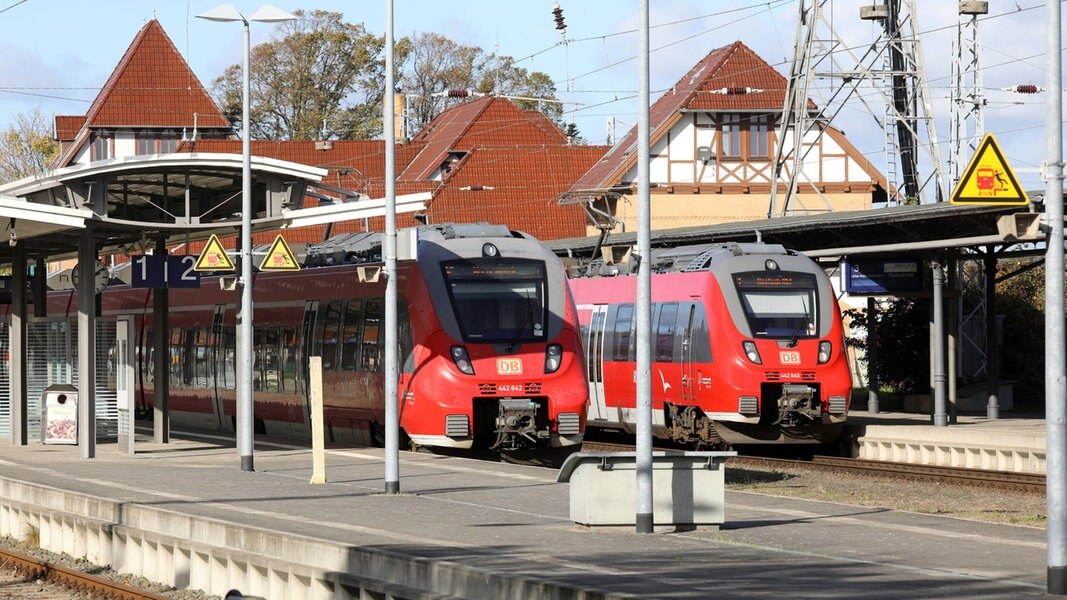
[101, 145]
[151, 142]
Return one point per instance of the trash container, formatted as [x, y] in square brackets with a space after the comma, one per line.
[59, 414]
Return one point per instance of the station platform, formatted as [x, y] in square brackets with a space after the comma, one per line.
[185, 514]
[1014, 443]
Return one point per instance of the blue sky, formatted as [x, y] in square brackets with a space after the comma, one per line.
[56, 54]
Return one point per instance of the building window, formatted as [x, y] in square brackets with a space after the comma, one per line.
[731, 135]
[101, 146]
[758, 136]
[146, 143]
[168, 142]
[745, 136]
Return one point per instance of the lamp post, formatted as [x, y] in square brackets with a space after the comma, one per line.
[266, 14]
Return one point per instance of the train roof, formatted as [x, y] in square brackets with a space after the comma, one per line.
[366, 247]
[682, 259]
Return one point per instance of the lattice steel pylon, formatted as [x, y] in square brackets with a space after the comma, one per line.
[892, 66]
[967, 128]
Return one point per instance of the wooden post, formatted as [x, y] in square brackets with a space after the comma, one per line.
[318, 444]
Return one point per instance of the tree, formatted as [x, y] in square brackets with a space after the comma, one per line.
[27, 147]
[438, 67]
[320, 80]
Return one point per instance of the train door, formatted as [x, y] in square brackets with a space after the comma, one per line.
[594, 356]
[216, 349]
[688, 381]
[307, 336]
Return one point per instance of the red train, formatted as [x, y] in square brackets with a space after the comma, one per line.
[490, 355]
[747, 347]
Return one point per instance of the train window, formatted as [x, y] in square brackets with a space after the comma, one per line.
[226, 360]
[370, 355]
[290, 353]
[498, 300]
[778, 305]
[406, 341]
[266, 368]
[665, 328]
[622, 333]
[350, 335]
[331, 321]
[699, 336]
[147, 355]
[176, 351]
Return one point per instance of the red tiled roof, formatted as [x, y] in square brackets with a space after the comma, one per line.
[153, 86]
[516, 186]
[487, 121]
[67, 126]
[356, 165]
[710, 85]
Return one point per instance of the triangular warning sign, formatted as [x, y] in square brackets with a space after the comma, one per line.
[989, 178]
[213, 258]
[279, 257]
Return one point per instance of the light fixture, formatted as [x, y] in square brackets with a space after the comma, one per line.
[770, 265]
[489, 250]
[266, 14]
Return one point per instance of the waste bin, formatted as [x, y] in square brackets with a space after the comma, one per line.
[59, 414]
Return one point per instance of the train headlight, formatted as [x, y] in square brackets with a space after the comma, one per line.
[489, 250]
[824, 351]
[463, 362]
[553, 358]
[751, 352]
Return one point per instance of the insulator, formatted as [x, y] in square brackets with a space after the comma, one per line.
[458, 93]
[1028, 88]
[572, 130]
[557, 14]
[733, 91]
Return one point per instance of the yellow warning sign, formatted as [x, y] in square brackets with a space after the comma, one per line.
[213, 258]
[279, 257]
[989, 178]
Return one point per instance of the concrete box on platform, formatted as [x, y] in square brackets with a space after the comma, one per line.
[688, 488]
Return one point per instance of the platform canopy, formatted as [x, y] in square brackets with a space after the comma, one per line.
[187, 196]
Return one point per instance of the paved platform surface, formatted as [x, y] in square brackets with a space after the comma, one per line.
[512, 521]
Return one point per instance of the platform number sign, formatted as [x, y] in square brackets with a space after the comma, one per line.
[164, 271]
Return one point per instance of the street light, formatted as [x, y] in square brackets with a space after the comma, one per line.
[266, 14]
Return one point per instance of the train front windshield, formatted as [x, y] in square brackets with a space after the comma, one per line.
[498, 300]
[779, 305]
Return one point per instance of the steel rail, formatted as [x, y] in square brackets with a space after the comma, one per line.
[98, 587]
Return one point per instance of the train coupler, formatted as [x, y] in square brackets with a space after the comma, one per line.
[798, 405]
[516, 424]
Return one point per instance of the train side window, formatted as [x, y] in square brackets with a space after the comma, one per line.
[290, 352]
[226, 361]
[370, 359]
[407, 342]
[266, 374]
[331, 321]
[623, 332]
[147, 355]
[350, 335]
[176, 351]
[699, 336]
[665, 329]
[201, 358]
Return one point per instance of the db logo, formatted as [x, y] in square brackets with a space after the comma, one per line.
[790, 358]
[508, 366]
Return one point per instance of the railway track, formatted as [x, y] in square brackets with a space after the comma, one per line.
[1025, 482]
[87, 584]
